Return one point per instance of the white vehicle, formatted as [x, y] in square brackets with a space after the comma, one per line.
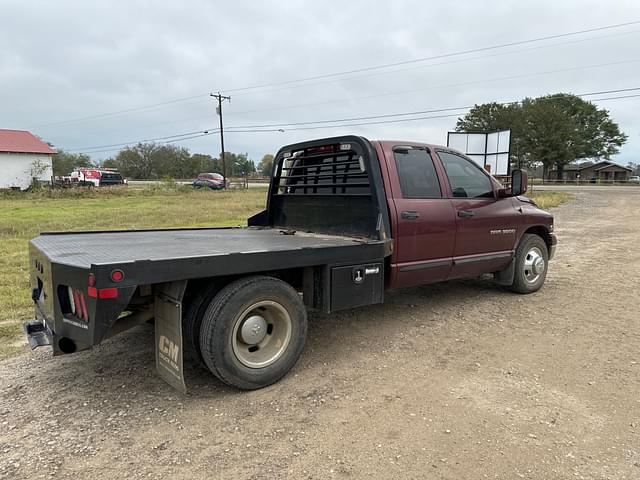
[97, 177]
[634, 179]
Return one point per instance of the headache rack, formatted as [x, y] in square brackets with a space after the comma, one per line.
[331, 186]
[337, 169]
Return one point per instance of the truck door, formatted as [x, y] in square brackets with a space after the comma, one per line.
[425, 221]
[486, 224]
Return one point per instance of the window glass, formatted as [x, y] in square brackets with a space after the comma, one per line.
[418, 177]
[467, 179]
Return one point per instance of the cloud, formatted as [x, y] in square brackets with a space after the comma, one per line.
[72, 59]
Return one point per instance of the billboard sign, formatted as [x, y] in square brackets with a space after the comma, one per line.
[489, 150]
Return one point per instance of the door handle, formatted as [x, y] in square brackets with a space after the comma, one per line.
[410, 215]
[466, 213]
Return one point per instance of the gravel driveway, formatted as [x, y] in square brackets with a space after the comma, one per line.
[457, 380]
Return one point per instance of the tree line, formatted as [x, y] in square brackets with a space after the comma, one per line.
[553, 130]
[155, 161]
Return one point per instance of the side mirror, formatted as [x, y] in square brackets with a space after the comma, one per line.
[519, 182]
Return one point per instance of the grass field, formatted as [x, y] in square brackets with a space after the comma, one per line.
[546, 200]
[24, 215]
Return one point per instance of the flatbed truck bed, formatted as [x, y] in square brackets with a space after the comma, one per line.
[175, 249]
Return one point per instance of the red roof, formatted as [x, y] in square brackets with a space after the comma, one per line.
[21, 141]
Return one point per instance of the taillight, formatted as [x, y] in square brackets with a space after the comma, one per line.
[108, 293]
[102, 293]
[117, 276]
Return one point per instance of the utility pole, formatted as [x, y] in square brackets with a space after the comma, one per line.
[221, 98]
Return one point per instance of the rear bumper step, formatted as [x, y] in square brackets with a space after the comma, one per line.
[37, 334]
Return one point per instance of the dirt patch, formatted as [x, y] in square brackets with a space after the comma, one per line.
[457, 380]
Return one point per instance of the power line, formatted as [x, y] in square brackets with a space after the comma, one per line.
[434, 57]
[201, 134]
[427, 111]
[342, 73]
[288, 107]
[144, 140]
[450, 62]
[511, 77]
[321, 124]
[614, 98]
[620, 90]
[474, 82]
[118, 112]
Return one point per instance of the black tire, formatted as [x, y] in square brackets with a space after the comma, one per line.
[283, 317]
[192, 320]
[529, 278]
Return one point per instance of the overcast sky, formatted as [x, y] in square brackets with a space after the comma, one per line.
[65, 64]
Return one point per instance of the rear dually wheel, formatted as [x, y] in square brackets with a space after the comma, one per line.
[253, 332]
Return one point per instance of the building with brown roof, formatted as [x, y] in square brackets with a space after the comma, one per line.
[603, 171]
[23, 157]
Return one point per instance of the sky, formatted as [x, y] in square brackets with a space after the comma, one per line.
[92, 76]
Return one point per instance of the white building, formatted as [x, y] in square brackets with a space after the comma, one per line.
[23, 156]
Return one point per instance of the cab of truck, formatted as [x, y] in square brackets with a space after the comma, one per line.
[451, 219]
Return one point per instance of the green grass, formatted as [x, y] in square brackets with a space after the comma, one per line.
[24, 215]
[546, 200]
[9, 343]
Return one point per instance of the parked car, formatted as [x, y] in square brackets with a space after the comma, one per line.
[346, 220]
[214, 181]
[634, 179]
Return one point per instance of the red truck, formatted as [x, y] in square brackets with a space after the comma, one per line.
[346, 220]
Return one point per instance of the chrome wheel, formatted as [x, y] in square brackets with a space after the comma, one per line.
[534, 265]
[261, 334]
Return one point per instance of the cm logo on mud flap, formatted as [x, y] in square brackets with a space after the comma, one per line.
[168, 348]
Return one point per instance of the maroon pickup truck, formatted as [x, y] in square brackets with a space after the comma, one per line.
[346, 220]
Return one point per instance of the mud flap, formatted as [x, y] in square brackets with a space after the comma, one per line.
[169, 352]
[506, 276]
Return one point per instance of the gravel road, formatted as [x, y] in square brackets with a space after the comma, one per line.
[455, 381]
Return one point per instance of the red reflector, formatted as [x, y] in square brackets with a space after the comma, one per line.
[92, 292]
[91, 281]
[108, 293]
[117, 276]
[83, 305]
[76, 302]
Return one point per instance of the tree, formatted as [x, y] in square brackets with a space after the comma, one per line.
[109, 163]
[64, 162]
[265, 167]
[635, 167]
[205, 163]
[136, 162]
[152, 161]
[245, 167]
[239, 165]
[553, 130]
[171, 161]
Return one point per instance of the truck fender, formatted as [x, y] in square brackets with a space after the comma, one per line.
[168, 333]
